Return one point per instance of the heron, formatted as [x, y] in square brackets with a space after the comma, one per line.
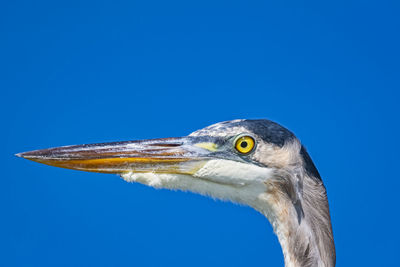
[258, 163]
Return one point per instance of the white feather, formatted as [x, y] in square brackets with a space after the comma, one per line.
[222, 179]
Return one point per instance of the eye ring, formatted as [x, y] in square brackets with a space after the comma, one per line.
[245, 144]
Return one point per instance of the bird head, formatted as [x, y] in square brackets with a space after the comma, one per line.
[230, 160]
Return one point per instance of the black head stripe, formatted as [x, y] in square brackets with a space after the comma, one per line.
[267, 130]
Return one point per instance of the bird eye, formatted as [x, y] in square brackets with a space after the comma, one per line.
[245, 144]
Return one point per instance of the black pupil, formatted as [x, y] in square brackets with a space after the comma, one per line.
[243, 144]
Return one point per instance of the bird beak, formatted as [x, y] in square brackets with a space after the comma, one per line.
[169, 155]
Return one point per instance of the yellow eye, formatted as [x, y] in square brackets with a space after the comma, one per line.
[245, 144]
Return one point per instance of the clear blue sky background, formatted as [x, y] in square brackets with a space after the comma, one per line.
[74, 72]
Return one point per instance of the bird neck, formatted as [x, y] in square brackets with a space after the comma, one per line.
[304, 228]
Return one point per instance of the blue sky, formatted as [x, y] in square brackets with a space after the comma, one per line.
[74, 72]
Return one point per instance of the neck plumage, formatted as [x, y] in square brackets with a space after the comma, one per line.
[302, 225]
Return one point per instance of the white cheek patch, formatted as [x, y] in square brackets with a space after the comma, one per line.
[233, 173]
[185, 183]
[158, 180]
[221, 179]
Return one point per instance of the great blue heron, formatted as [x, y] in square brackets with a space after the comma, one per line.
[254, 162]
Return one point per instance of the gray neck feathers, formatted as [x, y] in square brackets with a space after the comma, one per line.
[299, 212]
[296, 204]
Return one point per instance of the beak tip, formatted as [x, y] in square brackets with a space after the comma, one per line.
[23, 155]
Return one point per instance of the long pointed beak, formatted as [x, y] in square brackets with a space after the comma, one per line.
[168, 155]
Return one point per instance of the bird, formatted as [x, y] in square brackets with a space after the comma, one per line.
[256, 162]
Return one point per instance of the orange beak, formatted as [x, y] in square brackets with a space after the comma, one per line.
[167, 155]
